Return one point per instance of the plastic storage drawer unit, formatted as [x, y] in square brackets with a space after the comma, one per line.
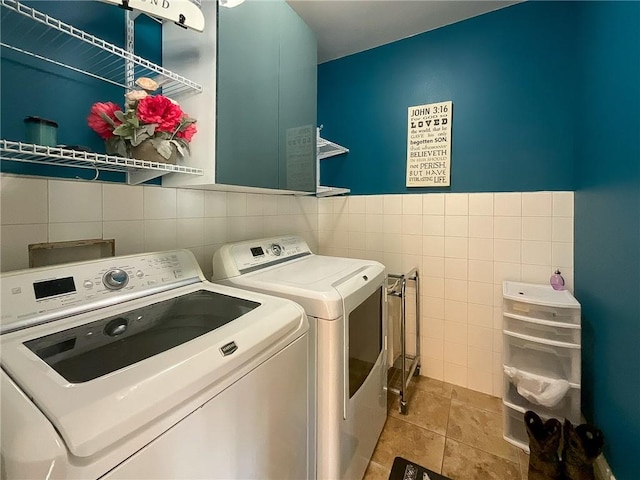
[542, 329]
[540, 302]
[568, 407]
[515, 431]
[541, 356]
[549, 359]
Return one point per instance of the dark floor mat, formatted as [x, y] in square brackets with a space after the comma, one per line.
[405, 470]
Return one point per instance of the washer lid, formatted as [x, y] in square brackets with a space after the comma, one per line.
[90, 351]
[102, 411]
[311, 281]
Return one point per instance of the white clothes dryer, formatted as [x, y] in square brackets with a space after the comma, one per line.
[137, 367]
[345, 301]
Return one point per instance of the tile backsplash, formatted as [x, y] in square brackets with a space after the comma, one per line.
[142, 218]
[464, 245]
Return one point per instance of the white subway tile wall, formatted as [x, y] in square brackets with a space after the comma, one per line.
[465, 245]
[121, 202]
[145, 218]
[72, 202]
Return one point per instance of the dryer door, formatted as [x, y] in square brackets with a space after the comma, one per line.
[364, 304]
[365, 367]
[365, 340]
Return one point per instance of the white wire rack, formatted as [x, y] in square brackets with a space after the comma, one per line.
[29, 32]
[137, 171]
[328, 149]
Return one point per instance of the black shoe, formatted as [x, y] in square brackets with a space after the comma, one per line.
[582, 445]
[544, 441]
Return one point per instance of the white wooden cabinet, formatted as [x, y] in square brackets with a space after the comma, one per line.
[257, 111]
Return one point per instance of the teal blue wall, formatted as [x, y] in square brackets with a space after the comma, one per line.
[31, 87]
[546, 96]
[511, 75]
[607, 228]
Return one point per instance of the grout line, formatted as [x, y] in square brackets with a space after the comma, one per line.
[517, 462]
[446, 433]
[470, 404]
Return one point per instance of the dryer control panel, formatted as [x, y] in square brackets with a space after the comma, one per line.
[40, 295]
[239, 258]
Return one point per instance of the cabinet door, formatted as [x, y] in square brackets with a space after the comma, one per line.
[297, 103]
[266, 97]
[247, 97]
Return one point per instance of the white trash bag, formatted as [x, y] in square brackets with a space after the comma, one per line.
[539, 390]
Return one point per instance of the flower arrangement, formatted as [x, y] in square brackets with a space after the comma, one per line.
[147, 119]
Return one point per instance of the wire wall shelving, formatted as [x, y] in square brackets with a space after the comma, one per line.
[29, 32]
[137, 171]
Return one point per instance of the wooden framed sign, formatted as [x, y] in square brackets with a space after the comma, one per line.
[182, 12]
[429, 145]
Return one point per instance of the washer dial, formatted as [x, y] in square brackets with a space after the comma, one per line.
[276, 249]
[115, 279]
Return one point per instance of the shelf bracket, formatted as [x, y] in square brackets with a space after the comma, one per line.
[129, 66]
[137, 177]
[181, 20]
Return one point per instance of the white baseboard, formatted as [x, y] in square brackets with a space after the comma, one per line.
[602, 469]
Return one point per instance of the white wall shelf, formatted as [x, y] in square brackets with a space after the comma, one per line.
[322, 191]
[69, 47]
[328, 149]
[138, 171]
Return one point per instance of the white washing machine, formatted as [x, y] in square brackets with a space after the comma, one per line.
[345, 301]
[137, 367]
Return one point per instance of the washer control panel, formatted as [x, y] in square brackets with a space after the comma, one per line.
[70, 288]
[265, 252]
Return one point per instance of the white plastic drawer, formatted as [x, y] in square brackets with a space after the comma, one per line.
[568, 407]
[543, 329]
[514, 429]
[541, 358]
[542, 312]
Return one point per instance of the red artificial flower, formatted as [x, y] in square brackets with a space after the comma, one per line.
[159, 109]
[188, 132]
[97, 122]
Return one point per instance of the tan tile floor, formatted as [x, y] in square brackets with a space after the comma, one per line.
[448, 429]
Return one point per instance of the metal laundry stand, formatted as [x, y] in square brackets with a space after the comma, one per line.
[406, 366]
